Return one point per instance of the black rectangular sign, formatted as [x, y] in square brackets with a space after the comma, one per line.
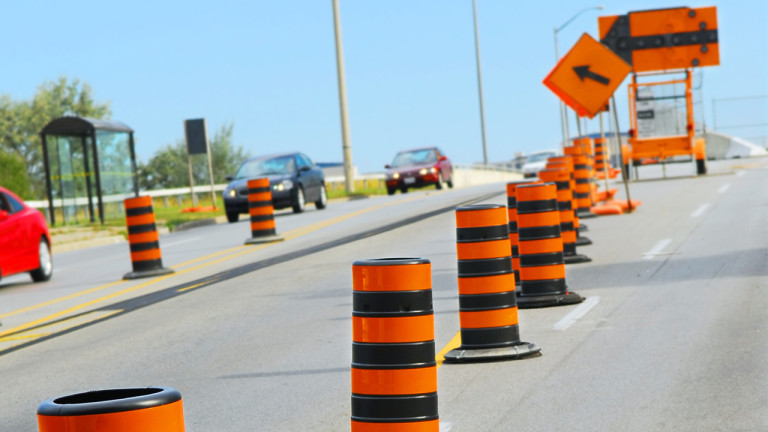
[197, 141]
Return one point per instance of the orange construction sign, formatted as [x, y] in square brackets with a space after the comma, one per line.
[663, 39]
[586, 77]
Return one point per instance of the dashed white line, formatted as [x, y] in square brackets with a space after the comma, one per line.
[656, 249]
[577, 313]
[700, 211]
[724, 188]
[176, 243]
[739, 173]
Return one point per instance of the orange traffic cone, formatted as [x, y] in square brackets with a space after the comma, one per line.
[394, 373]
[143, 239]
[487, 304]
[262, 212]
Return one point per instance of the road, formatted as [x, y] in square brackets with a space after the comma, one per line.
[672, 335]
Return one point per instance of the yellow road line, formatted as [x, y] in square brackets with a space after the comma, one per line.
[454, 343]
[245, 249]
[194, 286]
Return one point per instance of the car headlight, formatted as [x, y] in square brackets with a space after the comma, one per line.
[283, 186]
[423, 171]
[396, 175]
[433, 170]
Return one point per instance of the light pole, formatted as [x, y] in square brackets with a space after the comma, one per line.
[349, 180]
[563, 118]
[480, 84]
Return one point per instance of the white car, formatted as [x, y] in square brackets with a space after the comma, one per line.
[536, 162]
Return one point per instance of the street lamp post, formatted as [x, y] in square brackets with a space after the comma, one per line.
[480, 84]
[563, 118]
[349, 180]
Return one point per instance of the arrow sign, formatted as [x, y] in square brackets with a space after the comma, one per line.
[575, 81]
[584, 72]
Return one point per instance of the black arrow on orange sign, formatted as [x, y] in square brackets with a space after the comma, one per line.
[584, 72]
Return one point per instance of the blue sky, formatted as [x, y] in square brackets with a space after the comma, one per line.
[269, 67]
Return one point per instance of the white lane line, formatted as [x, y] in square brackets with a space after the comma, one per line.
[656, 249]
[445, 426]
[724, 188]
[577, 313]
[700, 211]
[739, 173]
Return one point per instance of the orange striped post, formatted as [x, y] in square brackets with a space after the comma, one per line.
[150, 409]
[566, 162]
[143, 239]
[487, 303]
[583, 177]
[542, 269]
[261, 211]
[394, 372]
[562, 179]
[512, 219]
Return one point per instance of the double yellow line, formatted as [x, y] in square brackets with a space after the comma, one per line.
[228, 254]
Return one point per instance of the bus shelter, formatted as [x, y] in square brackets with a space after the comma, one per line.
[88, 161]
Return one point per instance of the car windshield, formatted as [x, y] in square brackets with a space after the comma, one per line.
[264, 167]
[416, 157]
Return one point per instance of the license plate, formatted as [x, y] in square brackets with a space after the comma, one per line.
[409, 180]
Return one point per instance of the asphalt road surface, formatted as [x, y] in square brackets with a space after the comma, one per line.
[673, 334]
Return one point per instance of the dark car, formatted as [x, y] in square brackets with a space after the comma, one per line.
[294, 178]
[25, 244]
[418, 168]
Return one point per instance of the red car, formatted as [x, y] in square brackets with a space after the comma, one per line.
[417, 168]
[25, 244]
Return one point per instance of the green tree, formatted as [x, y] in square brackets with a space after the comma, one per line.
[168, 167]
[13, 174]
[21, 122]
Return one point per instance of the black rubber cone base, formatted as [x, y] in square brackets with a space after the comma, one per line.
[585, 215]
[265, 239]
[583, 228]
[148, 273]
[583, 241]
[576, 259]
[538, 301]
[514, 352]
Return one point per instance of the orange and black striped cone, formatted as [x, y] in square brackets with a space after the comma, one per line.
[143, 239]
[512, 220]
[487, 304]
[261, 211]
[542, 268]
[147, 409]
[394, 372]
[562, 179]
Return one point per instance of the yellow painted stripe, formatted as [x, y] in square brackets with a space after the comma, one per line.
[453, 344]
[242, 250]
[57, 326]
[194, 286]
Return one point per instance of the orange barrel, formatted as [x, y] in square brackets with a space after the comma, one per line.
[262, 212]
[601, 158]
[150, 409]
[562, 179]
[394, 373]
[566, 162]
[512, 219]
[700, 153]
[143, 239]
[542, 270]
[582, 176]
[487, 305]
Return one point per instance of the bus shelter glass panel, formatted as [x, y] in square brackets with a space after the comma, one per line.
[115, 170]
[69, 178]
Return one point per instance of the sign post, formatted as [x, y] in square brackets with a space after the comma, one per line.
[197, 143]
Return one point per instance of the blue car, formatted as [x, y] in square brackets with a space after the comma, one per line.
[294, 178]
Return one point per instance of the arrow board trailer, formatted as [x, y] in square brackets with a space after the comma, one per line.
[586, 77]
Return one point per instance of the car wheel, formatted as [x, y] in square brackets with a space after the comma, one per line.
[439, 184]
[45, 271]
[232, 216]
[403, 190]
[450, 183]
[391, 190]
[323, 201]
[298, 205]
